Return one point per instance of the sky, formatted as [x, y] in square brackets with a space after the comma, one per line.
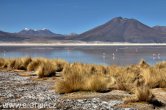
[76, 16]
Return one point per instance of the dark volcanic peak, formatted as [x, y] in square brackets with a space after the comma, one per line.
[122, 30]
[120, 19]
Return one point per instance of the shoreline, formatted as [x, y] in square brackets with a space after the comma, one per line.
[24, 80]
[82, 44]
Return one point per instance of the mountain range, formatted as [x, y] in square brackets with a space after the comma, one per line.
[30, 35]
[116, 30]
[162, 29]
[41, 32]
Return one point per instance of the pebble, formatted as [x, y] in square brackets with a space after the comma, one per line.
[37, 94]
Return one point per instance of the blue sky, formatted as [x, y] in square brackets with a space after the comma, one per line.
[67, 16]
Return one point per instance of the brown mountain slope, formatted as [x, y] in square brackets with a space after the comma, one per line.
[160, 28]
[123, 30]
[10, 37]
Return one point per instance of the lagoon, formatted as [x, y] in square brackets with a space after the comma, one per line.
[105, 55]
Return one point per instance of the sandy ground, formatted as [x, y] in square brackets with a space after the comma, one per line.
[22, 91]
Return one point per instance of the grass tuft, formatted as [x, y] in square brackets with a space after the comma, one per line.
[141, 94]
[46, 69]
[83, 77]
[91, 77]
[2, 60]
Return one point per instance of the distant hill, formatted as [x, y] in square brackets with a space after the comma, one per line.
[41, 32]
[10, 37]
[123, 30]
[160, 28]
[39, 35]
[30, 35]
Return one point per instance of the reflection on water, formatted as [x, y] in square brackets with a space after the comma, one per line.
[99, 55]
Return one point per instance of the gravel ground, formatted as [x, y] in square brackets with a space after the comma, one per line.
[23, 92]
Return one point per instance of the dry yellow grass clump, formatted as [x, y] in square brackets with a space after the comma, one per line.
[97, 78]
[141, 94]
[12, 63]
[84, 69]
[71, 84]
[125, 78]
[46, 67]
[82, 77]
[43, 67]
[21, 63]
[79, 83]
[98, 83]
[91, 77]
[9, 63]
[161, 65]
[15, 63]
[154, 77]
[2, 62]
[88, 77]
[33, 65]
[60, 64]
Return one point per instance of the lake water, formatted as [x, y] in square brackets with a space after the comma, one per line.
[106, 55]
